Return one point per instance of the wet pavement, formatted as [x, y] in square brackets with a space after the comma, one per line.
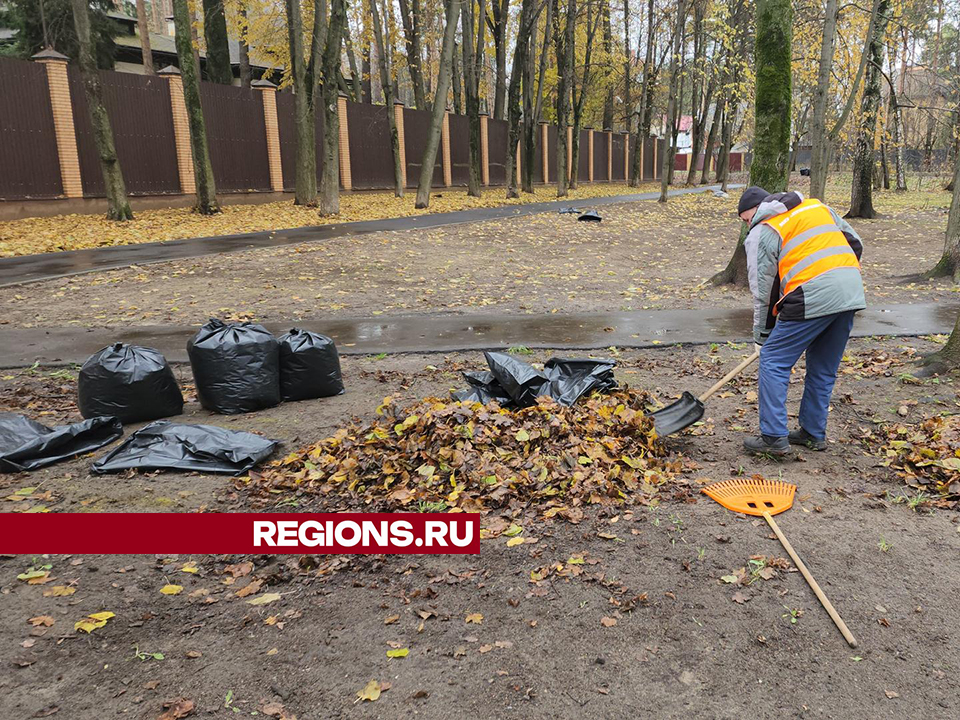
[21, 347]
[33, 268]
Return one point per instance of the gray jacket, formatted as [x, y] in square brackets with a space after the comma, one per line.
[837, 290]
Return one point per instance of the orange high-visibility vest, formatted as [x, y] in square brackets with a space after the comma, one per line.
[811, 244]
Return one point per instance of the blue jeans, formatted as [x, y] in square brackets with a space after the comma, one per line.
[824, 340]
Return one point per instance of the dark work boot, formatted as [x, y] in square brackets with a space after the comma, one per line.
[767, 445]
[802, 437]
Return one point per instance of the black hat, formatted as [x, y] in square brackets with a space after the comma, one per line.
[751, 197]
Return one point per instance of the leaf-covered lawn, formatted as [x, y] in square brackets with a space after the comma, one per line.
[75, 232]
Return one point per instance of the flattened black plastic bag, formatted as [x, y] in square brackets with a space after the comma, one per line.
[309, 366]
[590, 216]
[28, 445]
[165, 445]
[236, 367]
[514, 383]
[129, 382]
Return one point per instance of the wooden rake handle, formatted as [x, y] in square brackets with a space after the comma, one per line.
[824, 600]
[730, 376]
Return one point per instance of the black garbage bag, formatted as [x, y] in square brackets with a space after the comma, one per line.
[129, 382]
[570, 379]
[236, 367]
[590, 216]
[309, 366]
[514, 383]
[165, 445]
[28, 445]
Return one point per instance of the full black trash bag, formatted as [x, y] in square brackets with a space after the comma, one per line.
[236, 367]
[309, 366]
[129, 382]
[165, 445]
[514, 383]
[28, 445]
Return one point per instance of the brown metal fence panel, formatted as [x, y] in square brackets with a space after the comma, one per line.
[497, 143]
[319, 128]
[459, 149]
[552, 152]
[649, 167]
[538, 155]
[371, 155]
[619, 147]
[583, 162]
[416, 127]
[287, 128]
[237, 137]
[736, 162]
[600, 155]
[29, 163]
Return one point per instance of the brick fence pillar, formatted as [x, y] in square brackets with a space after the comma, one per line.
[485, 147]
[626, 157]
[590, 153]
[609, 134]
[445, 148]
[656, 166]
[519, 145]
[401, 139]
[181, 130]
[569, 152]
[545, 151]
[268, 91]
[55, 65]
[346, 175]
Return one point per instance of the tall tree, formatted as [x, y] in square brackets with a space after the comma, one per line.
[820, 146]
[643, 129]
[219, 69]
[772, 106]
[452, 12]
[356, 88]
[861, 191]
[676, 45]
[563, 44]
[608, 52]
[118, 206]
[528, 143]
[386, 84]
[51, 25]
[330, 37]
[301, 72]
[472, 21]
[190, 72]
[627, 91]
[527, 19]
[412, 31]
[497, 20]
[699, 99]
[896, 115]
[585, 82]
[246, 76]
[143, 29]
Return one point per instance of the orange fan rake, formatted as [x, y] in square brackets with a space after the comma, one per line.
[766, 498]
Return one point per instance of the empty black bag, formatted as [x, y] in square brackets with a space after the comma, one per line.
[165, 445]
[28, 445]
[236, 367]
[309, 366]
[129, 382]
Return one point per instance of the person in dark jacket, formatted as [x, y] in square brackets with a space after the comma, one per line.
[803, 262]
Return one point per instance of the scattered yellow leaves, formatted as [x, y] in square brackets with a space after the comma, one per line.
[171, 589]
[476, 618]
[44, 620]
[398, 653]
[514, 541]
[370, 691]
[264, 599]
[59, 591]
[189, 567]
[94, 621]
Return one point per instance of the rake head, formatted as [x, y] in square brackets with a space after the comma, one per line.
[752, 496]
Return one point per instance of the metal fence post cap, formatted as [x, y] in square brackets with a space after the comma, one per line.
[50, 55]
[262, 84]
[168, 70]
[399, 102]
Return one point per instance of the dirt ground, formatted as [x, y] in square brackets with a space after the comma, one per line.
[684, 642]
[642, 256]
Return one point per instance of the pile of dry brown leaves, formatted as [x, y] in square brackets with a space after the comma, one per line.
[927, 457]
[466, 456]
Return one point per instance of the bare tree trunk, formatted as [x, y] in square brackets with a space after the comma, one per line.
[472, 22]
[571, 51]
[330, 65]
[820, 145]
[439, 103]
[118, 206]
[144, 32]
[607, 121]
[219, 69]
[627, 90]
[202, 169]
[564, 74]
[676, 47]
[356, 87]
[896, 134]
[798, 134]
[711, 139]
[949, 263]
[366, 72]
[412, 33]
[455, 79]
[697, 111]
[528, 144]
[305, 187]
[498, 28]
[246, 77]
[723, 166]
[643, 129]
[861, 192]
[386, 85]
[515, 128]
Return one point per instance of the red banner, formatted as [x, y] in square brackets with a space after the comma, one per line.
[239, 533]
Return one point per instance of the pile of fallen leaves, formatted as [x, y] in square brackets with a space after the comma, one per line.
[441, 455]
[927, 456]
